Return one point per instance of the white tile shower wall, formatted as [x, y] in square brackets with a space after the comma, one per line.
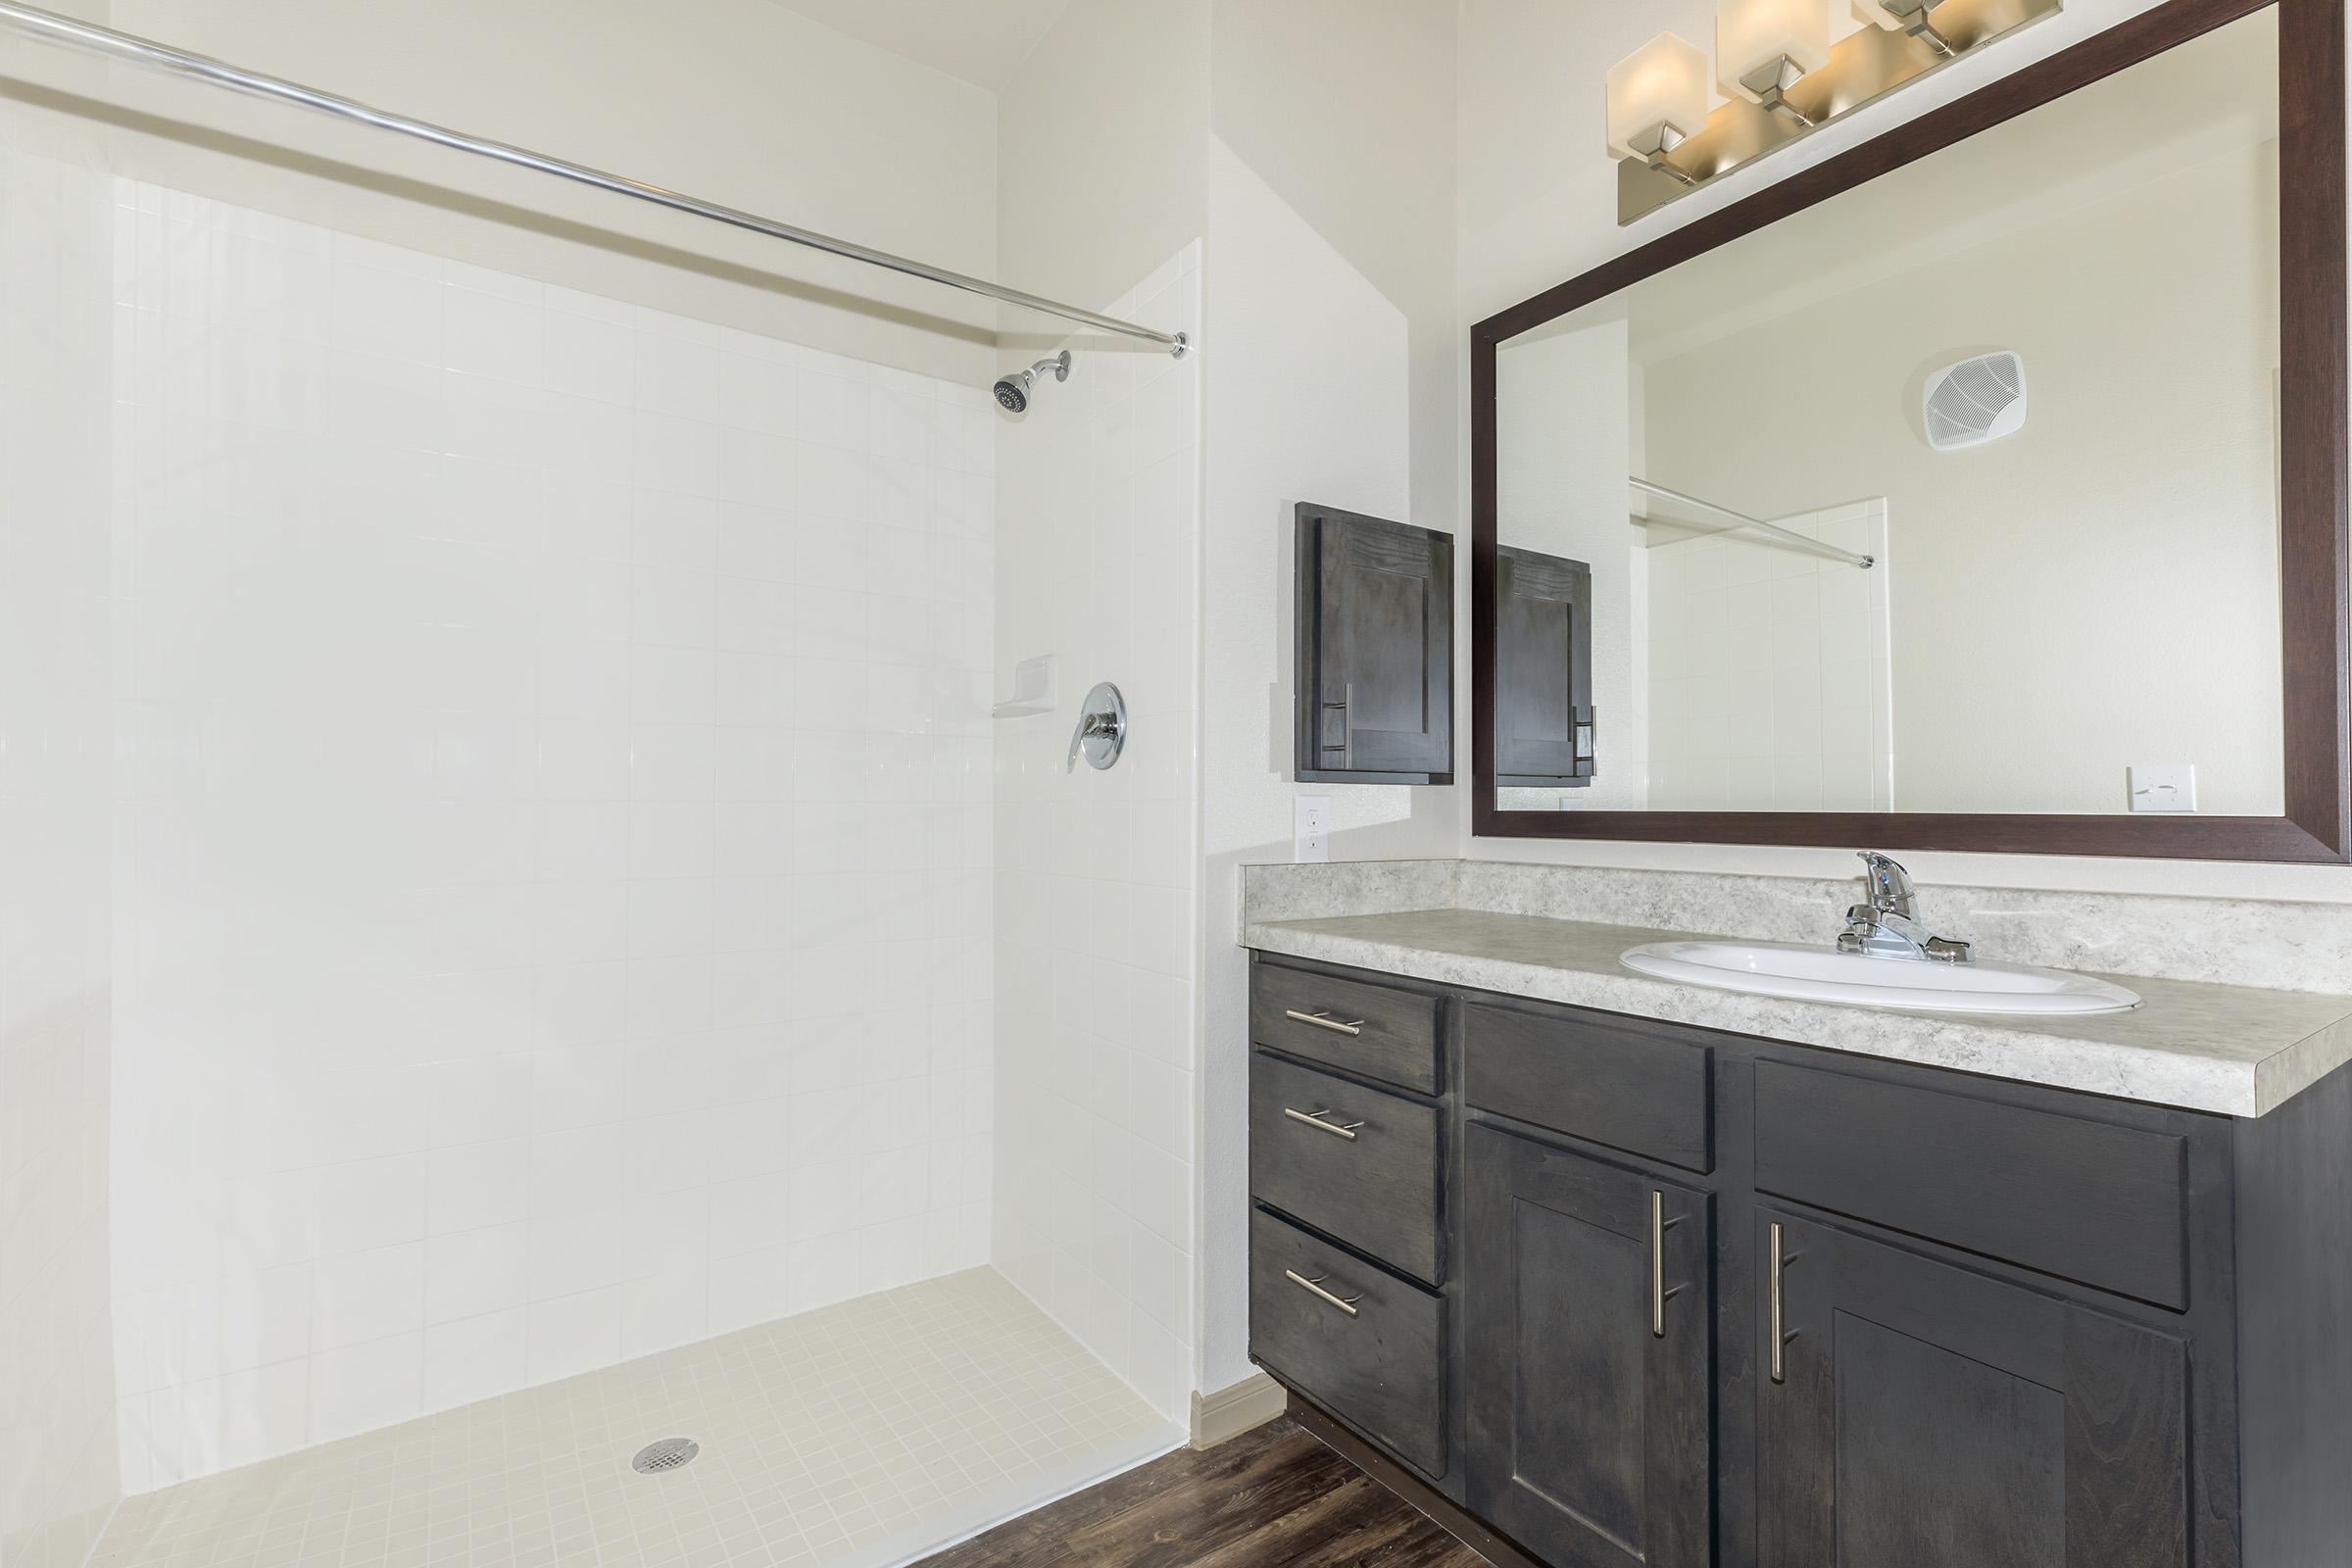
[1768, 670]
[1097, 564]
[555, 881]
[58, 1475]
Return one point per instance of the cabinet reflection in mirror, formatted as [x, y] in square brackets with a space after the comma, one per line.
[1545, 732]
[1956, 491]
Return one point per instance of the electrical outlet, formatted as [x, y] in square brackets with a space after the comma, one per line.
[1311, 828]
[2165, 786]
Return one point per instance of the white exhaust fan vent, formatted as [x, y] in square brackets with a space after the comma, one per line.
[1975, 400]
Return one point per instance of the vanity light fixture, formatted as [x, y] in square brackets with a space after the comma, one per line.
[1657, 101]
[1765, 47]
[1784, 77]
[1913, 17]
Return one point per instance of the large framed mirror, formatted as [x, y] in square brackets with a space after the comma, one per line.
[1980, 488]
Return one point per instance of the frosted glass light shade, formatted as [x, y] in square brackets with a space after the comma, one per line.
[1896, 15]
[1750, 35]
[1661, 86]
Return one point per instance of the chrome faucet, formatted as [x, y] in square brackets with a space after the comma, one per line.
[1888, 926]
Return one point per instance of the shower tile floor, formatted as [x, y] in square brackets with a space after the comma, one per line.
[857, 1435]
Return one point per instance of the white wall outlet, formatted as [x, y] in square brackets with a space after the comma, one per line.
[2165, 786]
[1311, 828]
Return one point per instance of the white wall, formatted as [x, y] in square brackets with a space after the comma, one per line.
[553, 907]
[1097, 566]
[58, 1478]
[1347, 111]
[743, 102]
[1099, 151]
[1539, 206]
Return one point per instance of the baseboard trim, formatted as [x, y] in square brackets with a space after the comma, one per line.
[1226, 1414]
[1441, 1510]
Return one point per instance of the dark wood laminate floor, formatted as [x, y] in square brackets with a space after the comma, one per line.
[1274, 1498]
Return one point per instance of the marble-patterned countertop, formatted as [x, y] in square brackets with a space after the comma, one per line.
[2240, 1051]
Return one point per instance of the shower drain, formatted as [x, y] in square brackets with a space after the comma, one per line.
[668, 1455]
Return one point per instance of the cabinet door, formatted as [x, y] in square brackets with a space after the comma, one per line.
[1542, 671]
[1588, 1290]
[1927, 1416]
[1376, 629]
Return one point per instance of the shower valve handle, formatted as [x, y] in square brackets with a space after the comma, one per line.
[1101, 732]
[1088, 725]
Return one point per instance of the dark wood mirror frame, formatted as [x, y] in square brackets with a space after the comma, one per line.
[2314, 547]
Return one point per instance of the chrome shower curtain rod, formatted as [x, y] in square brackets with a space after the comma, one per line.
[1740, 520]
[47, 27]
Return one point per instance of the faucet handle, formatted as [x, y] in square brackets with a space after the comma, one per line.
[1890, 887]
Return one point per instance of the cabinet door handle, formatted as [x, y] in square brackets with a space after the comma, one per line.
[1346, 707]
[1314, 1119]
[1322, 1018]
[1659, 1295]
[1314, 1288]
[1776, 1309]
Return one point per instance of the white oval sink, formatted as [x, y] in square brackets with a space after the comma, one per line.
[1824, 974]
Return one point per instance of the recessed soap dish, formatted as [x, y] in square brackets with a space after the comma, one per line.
[1033, 683]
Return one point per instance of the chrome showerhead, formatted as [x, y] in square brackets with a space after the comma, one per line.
[1013, 390]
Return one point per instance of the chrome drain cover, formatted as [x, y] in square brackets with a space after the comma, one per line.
[668, 1455]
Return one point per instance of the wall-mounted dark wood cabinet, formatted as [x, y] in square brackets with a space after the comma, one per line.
[1375, 654]
[1604, 1291]
[1544, 721]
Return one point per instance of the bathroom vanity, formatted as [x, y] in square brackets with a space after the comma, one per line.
[1623, 1289]
[1622, 1269]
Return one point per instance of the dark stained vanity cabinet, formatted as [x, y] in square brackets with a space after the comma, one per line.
[1355, 1162]
[1619, 1292]
[1924, 1413]
[1588, 1381]
[1375, 656]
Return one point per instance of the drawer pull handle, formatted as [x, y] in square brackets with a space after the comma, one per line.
[1314, 1119]
[1314, 1286]
[1779, 1330]
[1322, 1019]
[1659, 1295]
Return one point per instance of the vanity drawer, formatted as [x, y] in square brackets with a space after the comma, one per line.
[1358, 1340]
[1642, 1087]
[1365, 1169]
[1376, 1030]
[2093, 1201]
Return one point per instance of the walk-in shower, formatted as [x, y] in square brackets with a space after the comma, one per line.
[527, 968]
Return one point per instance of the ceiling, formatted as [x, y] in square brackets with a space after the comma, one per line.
[980, 41]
